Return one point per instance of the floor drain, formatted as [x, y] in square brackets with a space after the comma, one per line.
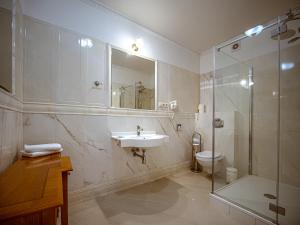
[269, 196]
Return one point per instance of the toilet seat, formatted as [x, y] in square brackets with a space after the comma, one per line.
[207, 155]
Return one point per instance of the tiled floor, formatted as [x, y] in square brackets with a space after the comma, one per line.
[181, 199]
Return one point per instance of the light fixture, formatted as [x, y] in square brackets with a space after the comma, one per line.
[137, 45]
[254, 31]
[85, 42]
[287, 65]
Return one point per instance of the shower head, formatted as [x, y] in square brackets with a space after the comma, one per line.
[288, 33]
[290, 16]
[283, 32]
[295, 38]
[284, 35]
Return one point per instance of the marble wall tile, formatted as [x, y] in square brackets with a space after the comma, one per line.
[40, 56]
[96, 157]
[11, 137]
[18, 51]
[232, 107]
[184, 87]
[163, 82]
[11, 125]
[178, 84]
[55, 56]
[94, 66]
[290, 118]
[226, 138]
[69, 78]
[59, 71]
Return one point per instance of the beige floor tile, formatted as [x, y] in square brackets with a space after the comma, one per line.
[180, 199]
[86, 213]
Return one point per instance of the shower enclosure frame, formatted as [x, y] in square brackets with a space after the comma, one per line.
[217, 48]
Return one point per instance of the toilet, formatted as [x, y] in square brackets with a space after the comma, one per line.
[205, 160]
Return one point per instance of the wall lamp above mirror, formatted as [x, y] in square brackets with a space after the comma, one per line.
[137, 45]
[132, 81]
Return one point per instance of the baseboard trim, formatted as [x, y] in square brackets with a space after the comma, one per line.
[94, 191]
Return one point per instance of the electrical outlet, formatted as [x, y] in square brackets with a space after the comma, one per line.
[173, 105]
[163, 105]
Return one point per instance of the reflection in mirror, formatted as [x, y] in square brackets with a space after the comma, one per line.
[132, 81]
[6, 45]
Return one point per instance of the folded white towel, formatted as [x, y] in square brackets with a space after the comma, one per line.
[42, 147]
[38, 154]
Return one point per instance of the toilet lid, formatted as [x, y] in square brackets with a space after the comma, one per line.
[207, 154]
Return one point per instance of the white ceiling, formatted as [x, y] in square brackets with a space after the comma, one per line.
[199, 24]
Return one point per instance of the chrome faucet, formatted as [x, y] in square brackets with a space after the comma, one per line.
[138, 130]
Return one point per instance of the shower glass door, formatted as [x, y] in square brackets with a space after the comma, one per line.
[246, 100]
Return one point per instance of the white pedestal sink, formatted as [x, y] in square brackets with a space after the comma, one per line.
[147, 139]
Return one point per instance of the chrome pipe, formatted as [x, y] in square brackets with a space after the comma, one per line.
[250, 84]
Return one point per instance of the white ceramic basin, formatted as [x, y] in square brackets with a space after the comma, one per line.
[147, 139]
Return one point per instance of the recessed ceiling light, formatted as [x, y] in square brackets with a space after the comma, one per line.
[254, 31]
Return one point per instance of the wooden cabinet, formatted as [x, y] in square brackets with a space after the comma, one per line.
[33, 189]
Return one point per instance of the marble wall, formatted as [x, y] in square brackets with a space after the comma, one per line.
[57, 69]
[11, 126]
[62, 105]
[96, 158]
[231, 107]
[175, 83]
[10, 137]
[290, 117]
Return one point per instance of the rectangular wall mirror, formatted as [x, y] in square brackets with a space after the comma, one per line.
[132, 81]
[6, 45]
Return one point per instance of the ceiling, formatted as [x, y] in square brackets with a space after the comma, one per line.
[199, 24]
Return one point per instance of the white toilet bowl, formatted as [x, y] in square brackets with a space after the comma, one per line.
[205, 160]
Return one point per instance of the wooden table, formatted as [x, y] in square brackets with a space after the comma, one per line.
[32, 190]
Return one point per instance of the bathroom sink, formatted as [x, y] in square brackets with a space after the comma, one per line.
[147, 139]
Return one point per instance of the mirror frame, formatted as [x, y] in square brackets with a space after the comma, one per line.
[109, 52]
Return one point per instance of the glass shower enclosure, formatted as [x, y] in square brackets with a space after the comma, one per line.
[256, 92]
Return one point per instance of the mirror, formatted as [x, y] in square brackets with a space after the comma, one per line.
[6, 45]
[132, 81]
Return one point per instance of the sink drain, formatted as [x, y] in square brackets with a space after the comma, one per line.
[269, 196]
